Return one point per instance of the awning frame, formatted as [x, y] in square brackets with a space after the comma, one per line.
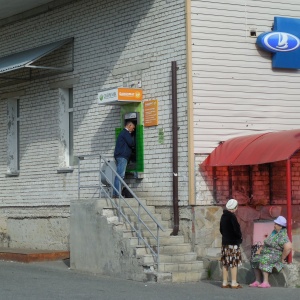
[41, 52]
[218, 158]
[255, 149]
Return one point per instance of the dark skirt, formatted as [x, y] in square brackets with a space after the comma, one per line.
[231, 256]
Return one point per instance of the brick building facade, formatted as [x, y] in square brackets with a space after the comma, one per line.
[117, 44]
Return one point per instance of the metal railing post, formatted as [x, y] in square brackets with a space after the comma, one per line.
[139, 224]
[116, 204]
[157, 251]
[119, 208]
[78, 179]
[100, 187]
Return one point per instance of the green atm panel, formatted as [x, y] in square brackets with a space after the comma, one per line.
[136, 162]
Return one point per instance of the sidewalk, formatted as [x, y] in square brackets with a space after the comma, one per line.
[54, 280]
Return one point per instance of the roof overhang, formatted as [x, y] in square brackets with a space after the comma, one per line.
[255, 149]
[14, 7]
[11, 66]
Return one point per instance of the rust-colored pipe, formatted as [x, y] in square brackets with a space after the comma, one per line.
[289, 203]
[175, 149]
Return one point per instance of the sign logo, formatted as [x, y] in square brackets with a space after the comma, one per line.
[279, 41]
[283, 42]
[107, 95]
[138, 95]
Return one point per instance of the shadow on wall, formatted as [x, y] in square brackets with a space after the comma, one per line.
[125, 42]
[101, 47]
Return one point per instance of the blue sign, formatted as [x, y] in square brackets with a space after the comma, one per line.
[283, 42]
[278, 41]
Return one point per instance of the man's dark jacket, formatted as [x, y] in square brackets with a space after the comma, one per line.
[230, 229]
[124, 145]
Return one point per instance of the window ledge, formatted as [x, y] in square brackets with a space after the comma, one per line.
[65, 170]
[12, 174]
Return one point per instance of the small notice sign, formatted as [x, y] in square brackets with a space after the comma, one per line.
[161, 136]
[151, 113]
[119, 95]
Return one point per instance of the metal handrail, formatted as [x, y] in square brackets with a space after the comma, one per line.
[121, 200]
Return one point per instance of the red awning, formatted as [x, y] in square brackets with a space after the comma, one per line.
[255, 149]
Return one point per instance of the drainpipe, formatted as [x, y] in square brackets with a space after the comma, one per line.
[175, 149]
[289, 203]
[190, 112]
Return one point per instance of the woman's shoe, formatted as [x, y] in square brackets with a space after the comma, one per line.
[264, 285]
[254, 284]
[228, 286]
[236, 286]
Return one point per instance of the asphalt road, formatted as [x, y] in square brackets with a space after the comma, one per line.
[54, 280]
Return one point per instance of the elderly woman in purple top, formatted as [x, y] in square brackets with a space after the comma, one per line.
[272, 254]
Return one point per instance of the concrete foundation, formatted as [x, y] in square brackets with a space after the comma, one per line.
[98, 247]
[43, 228]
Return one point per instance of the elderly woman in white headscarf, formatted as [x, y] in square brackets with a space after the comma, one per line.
[231, 256]
[272, 254]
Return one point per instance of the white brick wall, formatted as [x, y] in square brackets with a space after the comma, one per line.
[109, 36]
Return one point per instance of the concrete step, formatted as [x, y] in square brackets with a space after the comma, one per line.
[133, 201]
[182, 277]
[175, 249]
[148, 259]
[166, 232]
[179, 277]
[191, 266]
[161, 277]
[126, 227]
[179, 257]
[130, 201]
[165, 240]
[103, 203]
[131, 216]
[164, 249]
[128, 210]
[108, 212]
[146, 233]
[128, 205]
[146, 218]
[177, 263]
[150, 224]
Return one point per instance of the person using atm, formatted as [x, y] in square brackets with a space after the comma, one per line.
[123, 149]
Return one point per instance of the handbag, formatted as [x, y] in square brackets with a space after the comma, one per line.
[254, 249]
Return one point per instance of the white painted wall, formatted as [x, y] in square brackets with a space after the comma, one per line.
[12, 136]
[235, 90]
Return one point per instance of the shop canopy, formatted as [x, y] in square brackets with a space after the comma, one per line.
[28, 60]
[255, 149]
[260, 149]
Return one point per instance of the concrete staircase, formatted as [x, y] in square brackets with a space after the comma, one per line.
[178, 263]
